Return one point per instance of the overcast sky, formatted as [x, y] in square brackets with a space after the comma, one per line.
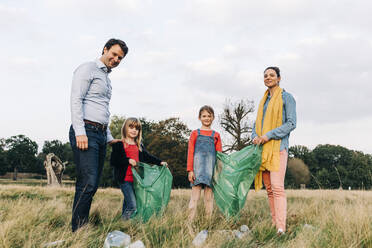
[184, 54]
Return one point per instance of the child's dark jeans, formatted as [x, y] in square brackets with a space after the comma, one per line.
[129, 203]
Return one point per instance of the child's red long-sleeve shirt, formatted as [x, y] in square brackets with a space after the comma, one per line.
[192, 140]
[132, 152]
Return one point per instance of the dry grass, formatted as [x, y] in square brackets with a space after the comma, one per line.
[31, 216]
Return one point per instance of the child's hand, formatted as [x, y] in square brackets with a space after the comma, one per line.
[133, 162]
[191, 177]
[164, 164]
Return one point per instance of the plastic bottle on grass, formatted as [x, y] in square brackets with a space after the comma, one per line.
[244, 228]
[116, 239]
[238, 234]
[200, 238]
[137, 244]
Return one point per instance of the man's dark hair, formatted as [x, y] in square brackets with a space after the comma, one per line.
[112, 42]
[276, 69]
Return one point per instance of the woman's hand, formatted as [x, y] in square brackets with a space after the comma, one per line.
[132, 162]
[191, 177]
[255, 140]
[264, 139]
[260, 140]
[164, 164]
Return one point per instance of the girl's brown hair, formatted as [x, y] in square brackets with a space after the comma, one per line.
[132, 122]
[207, 108]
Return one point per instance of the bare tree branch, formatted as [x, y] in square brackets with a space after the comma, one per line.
[235, 121]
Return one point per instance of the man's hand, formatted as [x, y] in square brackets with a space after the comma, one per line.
[82, 142]
[164, 164]
[191, 177]
[114, 141]
[132, 162]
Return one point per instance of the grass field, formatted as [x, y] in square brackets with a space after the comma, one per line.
[31, 216]
[33, 182]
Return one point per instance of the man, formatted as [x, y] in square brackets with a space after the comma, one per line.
[89, 132]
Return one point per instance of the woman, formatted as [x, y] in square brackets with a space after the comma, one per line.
[276, 118]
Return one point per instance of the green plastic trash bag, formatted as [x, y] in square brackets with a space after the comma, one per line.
[233, 176]
[152, 186]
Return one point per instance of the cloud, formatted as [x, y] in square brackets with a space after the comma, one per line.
[10, 10]
[209, 66]
[11, 18]
[347, 134]
[331, 78]
[186, 54]
[23, 61]
[159, 57]
[87, 38]
[96, 6]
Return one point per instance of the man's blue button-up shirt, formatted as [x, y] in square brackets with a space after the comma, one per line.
[90, 96]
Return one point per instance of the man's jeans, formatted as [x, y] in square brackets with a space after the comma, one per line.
[89, 164]
[129, 203]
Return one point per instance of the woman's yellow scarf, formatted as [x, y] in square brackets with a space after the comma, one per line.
[273, 119]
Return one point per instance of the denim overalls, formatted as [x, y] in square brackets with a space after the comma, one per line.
[204, 159]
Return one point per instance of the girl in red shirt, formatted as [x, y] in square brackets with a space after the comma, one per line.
[126, 154]
[201, 158]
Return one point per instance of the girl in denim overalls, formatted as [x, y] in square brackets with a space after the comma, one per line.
[203, 144]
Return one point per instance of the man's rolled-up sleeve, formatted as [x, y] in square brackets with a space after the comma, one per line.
[109, 136]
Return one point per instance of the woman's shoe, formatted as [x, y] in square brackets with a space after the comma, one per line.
[280, 232]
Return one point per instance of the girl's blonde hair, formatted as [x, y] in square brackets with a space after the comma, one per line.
[132, 122]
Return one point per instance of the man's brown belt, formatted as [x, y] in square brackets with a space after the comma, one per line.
[96, 124]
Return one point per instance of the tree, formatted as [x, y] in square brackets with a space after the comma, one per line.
[147, 128]
[307, 156]
[334, 166]
[118, 121]
[336, 160]
[63, 151]
[168, 140]
[235, 121]
[21, 154]
[3, 163]
[301, 152]
[299, 171]
[115, 126]
[359, 175]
